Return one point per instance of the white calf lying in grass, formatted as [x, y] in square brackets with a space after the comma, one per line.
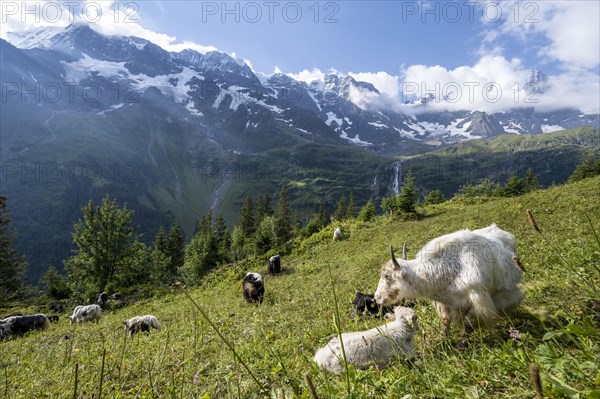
[377, 346]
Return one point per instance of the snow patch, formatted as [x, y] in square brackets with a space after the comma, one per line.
[355, 140]
[332, 117]
[378, 125]
[88, 66]
[551, 128]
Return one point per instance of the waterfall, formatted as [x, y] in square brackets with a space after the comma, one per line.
[396, 181]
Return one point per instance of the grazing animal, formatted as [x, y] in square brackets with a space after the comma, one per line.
[470, 276]
[19, 325]
[377, 346]
[116, 296]
[275, 264]
[102, 298]
[366, 303]
[82, 314]
[253, 288]
[337, 234]
[141, 323]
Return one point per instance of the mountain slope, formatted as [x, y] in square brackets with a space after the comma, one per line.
[278, 339]
[174, 134]
[551, 156]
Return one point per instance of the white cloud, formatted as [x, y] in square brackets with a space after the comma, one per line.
[308, 76]
[25, 15]
[383, 81]
[99, 14]
[571, 28]
[496, 84]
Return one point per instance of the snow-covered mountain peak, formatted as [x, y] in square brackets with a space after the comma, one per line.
[34, 38]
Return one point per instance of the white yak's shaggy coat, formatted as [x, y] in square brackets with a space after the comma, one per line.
[85, 313]
[141, 323]
[470, 276]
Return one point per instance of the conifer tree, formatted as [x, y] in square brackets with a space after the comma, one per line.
[268, 208]
[160, 241]
[530, 181]
[12, 266]
[584, 170]
[265, 237]
[247, 221]
[223, 239]
[176, 246]
[323, 215]
[351, 209]
[514, 186]
[341, 210]
[202, 253]
[368, 212]
[260, 209]
[283, 218]
[407, 200]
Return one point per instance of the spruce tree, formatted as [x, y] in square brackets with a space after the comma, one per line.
[238, 243]
[260, 209]
[407, 200]
[341, 210]
[12, 266]
[323, 215]
[176, 246]
[584, 170]
[283, 218]
[368, 212]
[160, 241]
[351, 209]
[206, 223]
[390, 205]
[247, 221]
[223, 239]
[202, 253]
[514, 187]
[268, 210]
[265, 237]
[530, 181]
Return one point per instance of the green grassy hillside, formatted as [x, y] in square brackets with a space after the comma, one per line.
[277, 340]
[551, 156]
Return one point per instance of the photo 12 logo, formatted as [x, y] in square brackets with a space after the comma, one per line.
[54, 172]
[54, 92]
[270, 11]
[55, 12]
[470, 92]
[471, 11]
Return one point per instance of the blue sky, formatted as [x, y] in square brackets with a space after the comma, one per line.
[349, 35]
[390, 44]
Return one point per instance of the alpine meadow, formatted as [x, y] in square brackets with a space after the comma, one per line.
[314, 200]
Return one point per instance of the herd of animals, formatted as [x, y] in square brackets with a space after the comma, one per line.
[472, 277]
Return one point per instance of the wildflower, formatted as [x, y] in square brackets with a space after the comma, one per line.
[515, 335]
[196, 379]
